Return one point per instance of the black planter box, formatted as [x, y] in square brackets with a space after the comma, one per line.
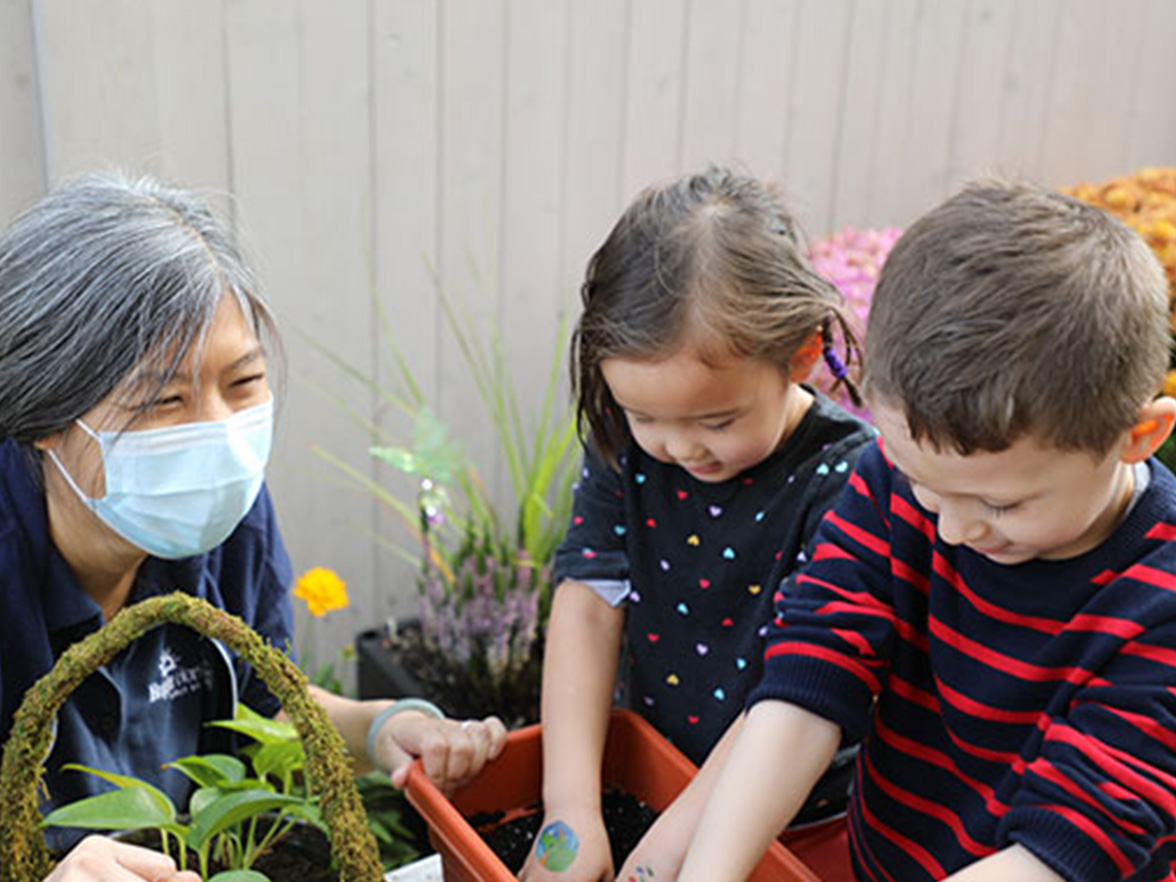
[379, 674]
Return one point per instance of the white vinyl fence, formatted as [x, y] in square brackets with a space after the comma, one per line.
[377, 149]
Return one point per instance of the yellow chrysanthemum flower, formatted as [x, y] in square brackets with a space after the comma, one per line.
[323, 591]
[1146, 202]
[1170, 383]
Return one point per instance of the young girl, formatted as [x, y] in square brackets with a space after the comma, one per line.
[708, 466]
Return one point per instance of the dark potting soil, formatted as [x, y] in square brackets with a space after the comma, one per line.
[302, 855]
[626, 819]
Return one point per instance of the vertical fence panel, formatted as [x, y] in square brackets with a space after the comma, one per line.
[100, 106]
[405, 103]
[936, 72]
[653, 104]
[22, 174]
[974, 136]
[1151, 137]
[1095, 65]
[818, 82]
[472, 163]
[495, 141]
[710, 84]
[595, 114]
[301, 161]
[860, 113]
[1027, 83]
[923, 44]
[138, 86]
[766, 68]
[886, 157]
[189, 62]
[532, 202]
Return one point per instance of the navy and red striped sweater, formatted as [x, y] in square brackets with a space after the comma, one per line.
[1031, 704]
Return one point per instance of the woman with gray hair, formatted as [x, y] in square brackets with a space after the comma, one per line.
[136, 416]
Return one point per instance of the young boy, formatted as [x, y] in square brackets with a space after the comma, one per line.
[992, 602]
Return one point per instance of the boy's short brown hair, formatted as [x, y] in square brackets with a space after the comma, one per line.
[1011, 309]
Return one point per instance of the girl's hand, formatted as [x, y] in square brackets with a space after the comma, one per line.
[98, 859]
[451, 751]
[571, 847]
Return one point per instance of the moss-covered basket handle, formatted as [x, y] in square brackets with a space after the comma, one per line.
[24, 856]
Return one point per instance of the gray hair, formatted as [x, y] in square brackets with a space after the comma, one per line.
[106, 274]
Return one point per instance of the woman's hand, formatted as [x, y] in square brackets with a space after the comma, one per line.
[98, 859]
[451, 752]
[571, 847]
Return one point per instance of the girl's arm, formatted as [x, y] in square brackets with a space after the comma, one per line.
[778, 756]
[579, 675]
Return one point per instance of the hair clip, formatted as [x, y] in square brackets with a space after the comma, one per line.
[836, 366]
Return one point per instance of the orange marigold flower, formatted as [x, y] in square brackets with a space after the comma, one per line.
[323, 591]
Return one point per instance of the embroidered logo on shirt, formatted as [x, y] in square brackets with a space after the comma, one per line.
[176, 680]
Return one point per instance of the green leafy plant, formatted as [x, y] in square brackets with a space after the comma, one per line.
[401, 834]
[23, 851]
[485, 574]
[235, 814]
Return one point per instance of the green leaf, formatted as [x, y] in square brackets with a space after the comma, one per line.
[231, 809]
[312, 814]
[130, 809]
[212, 770]
[279, 760]
[257, 727]
[240, 876]
[126, 782]
[397, 457]
[202, 798]
[248, 784]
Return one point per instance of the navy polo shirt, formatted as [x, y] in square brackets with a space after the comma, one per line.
[148, 706]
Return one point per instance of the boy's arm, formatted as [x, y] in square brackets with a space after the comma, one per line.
[579, 675]
[1013, 864]
[779, 755]
[663, 848]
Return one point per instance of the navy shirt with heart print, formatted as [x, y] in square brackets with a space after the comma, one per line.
[696, 565]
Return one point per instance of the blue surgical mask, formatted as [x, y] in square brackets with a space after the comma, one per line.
[181, 490]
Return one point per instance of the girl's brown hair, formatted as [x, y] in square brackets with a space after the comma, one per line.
[710, 260]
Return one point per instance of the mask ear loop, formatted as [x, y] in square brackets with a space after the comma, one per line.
[65, 474]
[69, 479]
[837, 367]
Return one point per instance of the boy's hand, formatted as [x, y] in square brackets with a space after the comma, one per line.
[662, 849]
[644, 867]
[571, 847]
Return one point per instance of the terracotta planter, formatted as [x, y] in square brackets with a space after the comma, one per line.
[637, 760]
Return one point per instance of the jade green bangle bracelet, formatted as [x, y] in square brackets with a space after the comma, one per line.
[404, 704]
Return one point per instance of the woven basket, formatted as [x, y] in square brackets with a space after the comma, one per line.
[24, 856]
